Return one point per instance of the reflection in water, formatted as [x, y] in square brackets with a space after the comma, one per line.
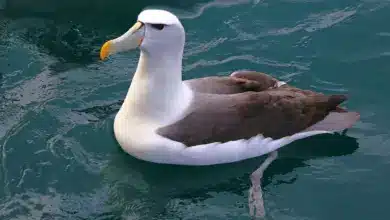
[255, 198]
[156, 192]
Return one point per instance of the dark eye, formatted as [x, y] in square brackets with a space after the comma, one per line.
[158, 26]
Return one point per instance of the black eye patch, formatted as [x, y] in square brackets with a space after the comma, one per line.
[158, 26]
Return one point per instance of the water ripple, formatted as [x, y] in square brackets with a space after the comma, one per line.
[323, 85]
[203, 47]
[215, 3]
[54, 205]
[250, 58]
[312, 23]
[320, 21]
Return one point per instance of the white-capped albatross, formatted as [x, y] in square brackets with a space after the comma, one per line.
[211, 120]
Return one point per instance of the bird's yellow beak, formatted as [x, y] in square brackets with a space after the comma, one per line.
[105, 50]
[128, 41]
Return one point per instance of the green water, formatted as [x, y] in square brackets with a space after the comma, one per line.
[59, 159]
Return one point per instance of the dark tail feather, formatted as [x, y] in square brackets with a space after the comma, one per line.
[335, 100]
[336, 121]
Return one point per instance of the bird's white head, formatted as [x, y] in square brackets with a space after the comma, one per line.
[157, 92]
[156, 33]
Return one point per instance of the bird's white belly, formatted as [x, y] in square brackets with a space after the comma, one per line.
[140, 141]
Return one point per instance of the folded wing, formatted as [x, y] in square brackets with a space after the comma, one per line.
[273, 113]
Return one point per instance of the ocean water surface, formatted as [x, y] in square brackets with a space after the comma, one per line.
[59, 158]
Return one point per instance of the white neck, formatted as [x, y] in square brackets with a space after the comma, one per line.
[157, 93]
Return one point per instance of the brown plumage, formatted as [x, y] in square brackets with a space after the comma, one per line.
[247, 103]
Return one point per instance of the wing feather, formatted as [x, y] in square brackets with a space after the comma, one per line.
[273, 113]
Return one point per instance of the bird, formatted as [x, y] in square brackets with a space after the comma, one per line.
[214, 119]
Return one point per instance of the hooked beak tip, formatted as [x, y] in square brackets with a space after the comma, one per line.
[105, 50]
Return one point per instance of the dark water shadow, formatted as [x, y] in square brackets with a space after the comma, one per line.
[102, 10]
[166, 182]
[73, 31]
[100, 112]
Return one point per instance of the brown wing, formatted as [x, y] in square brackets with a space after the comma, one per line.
[237, 82]
[242, 81]
[274, 113]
